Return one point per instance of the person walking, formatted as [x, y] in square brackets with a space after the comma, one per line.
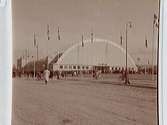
[46, 75]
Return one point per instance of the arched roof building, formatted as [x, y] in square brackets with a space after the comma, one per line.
[97, 53]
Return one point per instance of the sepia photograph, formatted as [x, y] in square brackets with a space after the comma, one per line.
[85, 62]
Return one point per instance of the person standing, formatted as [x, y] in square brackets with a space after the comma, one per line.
[46, 75]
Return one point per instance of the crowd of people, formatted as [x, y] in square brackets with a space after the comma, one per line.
[47, 74]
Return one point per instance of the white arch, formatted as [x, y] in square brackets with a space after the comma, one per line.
[95, 41]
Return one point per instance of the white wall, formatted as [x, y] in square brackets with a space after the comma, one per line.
[5, 64]
[163, 65]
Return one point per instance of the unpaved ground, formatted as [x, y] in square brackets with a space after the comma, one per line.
[82, 103]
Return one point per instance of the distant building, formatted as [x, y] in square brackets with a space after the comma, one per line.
[40, 64]
[101, 54]
[86, 56]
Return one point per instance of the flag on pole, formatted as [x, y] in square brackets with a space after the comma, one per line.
[58, 31]
[130, 24]
[146, 42]
[48, 32]
[28, 55]
[121, 38]
[138, 59]
[82, 41]
[157, 24]
[91, 37]
[23, 56]
[156, 20]
[35, 41]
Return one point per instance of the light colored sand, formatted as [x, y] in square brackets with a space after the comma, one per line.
[82, 103]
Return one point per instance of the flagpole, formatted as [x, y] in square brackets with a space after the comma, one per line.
[82, 41]
[91, 39]
[157, 48]
[157, 68]
[48, 38]
[58, 35]
[34, 67]
[78, 56]
[37, 53]
[153, 53]
[58, 61]
[23, 62]
[146, 45]
[34, 55]
[145, 69]
[126, 59]
[27, 55]
[37, 58]
[106, 53]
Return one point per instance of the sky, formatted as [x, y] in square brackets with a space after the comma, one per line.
[105, 18]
